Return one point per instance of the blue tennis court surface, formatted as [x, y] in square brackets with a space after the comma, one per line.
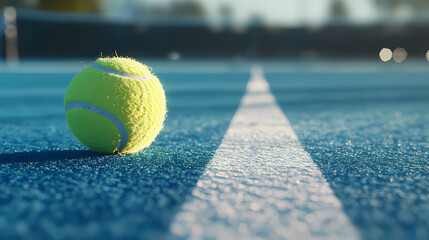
[327, 151]
[369, 135]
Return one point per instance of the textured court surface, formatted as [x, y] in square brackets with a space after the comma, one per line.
[369, 134]
[366, 133]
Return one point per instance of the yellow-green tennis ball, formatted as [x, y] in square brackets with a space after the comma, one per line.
[115, 106]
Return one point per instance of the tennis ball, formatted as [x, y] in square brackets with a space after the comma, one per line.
[115, 106]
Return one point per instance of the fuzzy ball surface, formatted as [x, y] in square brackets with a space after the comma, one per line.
[115, 106]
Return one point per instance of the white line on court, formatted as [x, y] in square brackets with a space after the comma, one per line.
[261, 183]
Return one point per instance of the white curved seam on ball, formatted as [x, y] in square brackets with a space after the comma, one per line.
[107, 70]
[106, 114]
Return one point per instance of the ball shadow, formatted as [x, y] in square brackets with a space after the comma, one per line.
[45, 156]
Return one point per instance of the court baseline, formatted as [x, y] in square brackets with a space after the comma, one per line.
[261, 183]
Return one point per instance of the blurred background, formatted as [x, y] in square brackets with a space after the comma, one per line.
[385, 29]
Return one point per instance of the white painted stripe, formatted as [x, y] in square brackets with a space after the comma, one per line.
[106, 114]
[261, 183]
[107, 70]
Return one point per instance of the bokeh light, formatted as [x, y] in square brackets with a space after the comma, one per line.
[9, 14]
[385, 54]
[427, 55]
[173, 55]
[399, 55]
